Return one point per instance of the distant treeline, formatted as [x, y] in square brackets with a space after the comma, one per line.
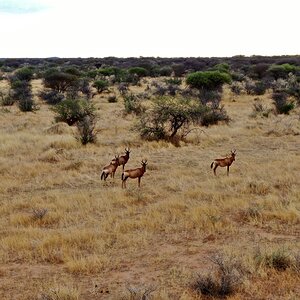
[154, 65]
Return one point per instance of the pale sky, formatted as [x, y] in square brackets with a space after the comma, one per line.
[165, 28]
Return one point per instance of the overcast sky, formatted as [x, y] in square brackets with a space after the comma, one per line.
[165, 28]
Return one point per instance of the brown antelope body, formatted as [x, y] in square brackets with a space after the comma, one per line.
[124, 158]
[110, 169]
[134, 173]
[223, 162]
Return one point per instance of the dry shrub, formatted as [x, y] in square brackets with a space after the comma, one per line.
[140, 293]
[74, 166]
[284, 125]
[223, 281]
[59, 128]
[39, 213]
[259, 109]
[252, 213]
[51, 156]
[278, 259]
[91, 264]
[37, 218]
[60, 293]
[86, 130]
[258, 188]
[296, 265]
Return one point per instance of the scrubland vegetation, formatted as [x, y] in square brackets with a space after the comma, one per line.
[185, 234]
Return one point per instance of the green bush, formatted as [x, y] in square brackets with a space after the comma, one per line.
[282, 71]
[282, 103]
[178, 70]
[20, 89]
[138, 71]
[222, 67]
[110, 71]
[26, 104]
[209, 80]
[259, 88]
[24, 74]
[51, 97]
[165, 71]
[100, 85]
[132, 104]
[213, 115]
[92, 74]
[71, 111]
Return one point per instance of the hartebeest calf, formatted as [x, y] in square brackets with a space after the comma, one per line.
[134, 173]
[110, 169]
[223, 162]
[124, 158]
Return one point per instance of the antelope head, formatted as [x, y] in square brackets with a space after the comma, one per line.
[233, 154]
[144, 163]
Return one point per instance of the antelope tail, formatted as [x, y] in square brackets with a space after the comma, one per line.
[212, 164]
[122, 177]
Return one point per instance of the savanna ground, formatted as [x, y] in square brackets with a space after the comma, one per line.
[97, 240]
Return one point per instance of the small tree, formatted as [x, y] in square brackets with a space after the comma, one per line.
[71, 111]
[51, 97]
[86, 129]
[222, 67]
[100, 85]
[168, 115]
[59, 81]
[138, 71]
[178, 70]
[21, 91]
[132, 104]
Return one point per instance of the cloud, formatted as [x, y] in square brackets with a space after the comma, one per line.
[21, 6]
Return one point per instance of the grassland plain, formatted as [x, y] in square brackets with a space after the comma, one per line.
[98, 241]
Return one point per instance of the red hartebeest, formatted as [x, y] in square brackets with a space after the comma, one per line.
[134, 173]
[110, 169]
[124, 158]
[223, 162]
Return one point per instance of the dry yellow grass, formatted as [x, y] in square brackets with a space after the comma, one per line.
[97, 239]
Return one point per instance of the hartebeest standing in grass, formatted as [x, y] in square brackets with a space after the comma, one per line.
[124, 158]
[223, 162]
[110, 169]
[134, 173]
